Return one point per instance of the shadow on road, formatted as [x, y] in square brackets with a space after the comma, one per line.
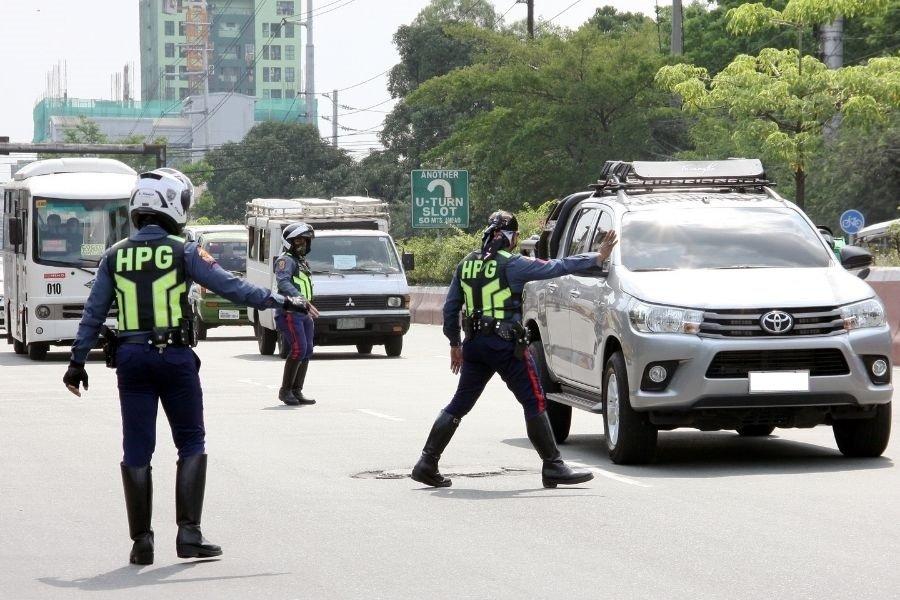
[11, 359]
[717, 454]
[318, 356]
[134, 576]
[526, 494]
[232, 338]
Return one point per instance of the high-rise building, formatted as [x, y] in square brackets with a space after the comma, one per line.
[244, 46]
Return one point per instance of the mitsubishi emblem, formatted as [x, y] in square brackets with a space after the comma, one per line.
[350, 302]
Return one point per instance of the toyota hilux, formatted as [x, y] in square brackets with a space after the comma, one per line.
[722, 307]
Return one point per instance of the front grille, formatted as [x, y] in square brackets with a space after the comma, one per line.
[76, 311]
[336, 303]
[746, 322]
[736, 364]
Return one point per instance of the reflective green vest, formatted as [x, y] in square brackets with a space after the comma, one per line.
[485, 287]
[302, 279]
[150, 283]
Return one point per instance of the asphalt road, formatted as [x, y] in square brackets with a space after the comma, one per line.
[312, 502]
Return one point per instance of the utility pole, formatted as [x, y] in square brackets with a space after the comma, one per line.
[334, 118]
[677, 28]
[831, 36]
[530, 19]
[311, 116]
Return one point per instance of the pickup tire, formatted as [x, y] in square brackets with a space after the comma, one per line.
[630, 437]
[864, 438]
[560, 414]
[755, 430]
[266, 339]
[393, 346]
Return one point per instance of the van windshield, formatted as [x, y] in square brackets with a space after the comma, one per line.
[230, 254]
[77, 232]
[720, 238]
[353, 254]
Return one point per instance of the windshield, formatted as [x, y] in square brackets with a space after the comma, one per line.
[719, 238]
[231, 255]
[77, 232]
[354, 254]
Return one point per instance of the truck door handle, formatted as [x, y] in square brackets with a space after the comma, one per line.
[552, 286]
[574, 293]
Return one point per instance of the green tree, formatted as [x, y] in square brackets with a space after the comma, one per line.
[780, 100]
[274, 160]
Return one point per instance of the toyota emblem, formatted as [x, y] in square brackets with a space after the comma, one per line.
[776, 322]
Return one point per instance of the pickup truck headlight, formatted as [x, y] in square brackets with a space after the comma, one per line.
[868, 313]
[653, 318]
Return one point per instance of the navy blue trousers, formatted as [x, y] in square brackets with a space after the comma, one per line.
[297, 332]
[485, 355]
[147, 378]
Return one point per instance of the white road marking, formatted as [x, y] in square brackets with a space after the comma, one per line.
[378, 414]
[251, 382]
[610, 474]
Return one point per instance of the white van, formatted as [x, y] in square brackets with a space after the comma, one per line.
[59, 217]
[359, 278]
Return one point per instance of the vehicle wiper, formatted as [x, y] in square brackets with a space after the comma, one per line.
[744, 267]
[328, 273]
[650, 269]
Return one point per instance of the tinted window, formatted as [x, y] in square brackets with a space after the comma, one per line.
[604, 225]
[720, 238]
[231, 255]
[582, 229]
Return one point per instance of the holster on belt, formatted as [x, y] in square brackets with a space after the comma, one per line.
[110, 345]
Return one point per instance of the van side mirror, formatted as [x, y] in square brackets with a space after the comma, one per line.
[409, 261]
[15, 232]
[854, 257]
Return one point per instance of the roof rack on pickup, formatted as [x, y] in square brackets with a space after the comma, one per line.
[735, 173]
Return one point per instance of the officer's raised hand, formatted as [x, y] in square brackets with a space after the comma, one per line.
[74, 376]
[606, 247]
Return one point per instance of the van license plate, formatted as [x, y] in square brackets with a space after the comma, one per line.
[230, 315]
[351, 323]
[781, 381]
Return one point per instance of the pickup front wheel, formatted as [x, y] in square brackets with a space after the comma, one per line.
[864, 438]
[630, 437]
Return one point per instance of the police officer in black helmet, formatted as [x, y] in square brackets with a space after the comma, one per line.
[149, 275]
[487, 288]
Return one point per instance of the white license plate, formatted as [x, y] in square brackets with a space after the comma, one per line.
[762, 382]
[351, 323]
[230, 315]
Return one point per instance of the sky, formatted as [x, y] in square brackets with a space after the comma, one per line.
[96, 38]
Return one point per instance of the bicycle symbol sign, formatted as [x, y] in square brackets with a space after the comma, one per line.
[852, 221]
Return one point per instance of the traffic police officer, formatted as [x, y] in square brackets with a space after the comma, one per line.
[294, 279]
[488, 287]
[149, 275]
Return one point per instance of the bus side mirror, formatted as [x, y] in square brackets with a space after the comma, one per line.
[15, 232]
[409, 261]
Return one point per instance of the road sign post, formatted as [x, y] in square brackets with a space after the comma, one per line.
[440, 198]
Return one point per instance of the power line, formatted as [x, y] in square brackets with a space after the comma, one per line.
[563, 11]
[508, 9]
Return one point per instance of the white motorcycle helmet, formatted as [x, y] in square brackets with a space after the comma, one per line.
[165, 193]
[295, 230]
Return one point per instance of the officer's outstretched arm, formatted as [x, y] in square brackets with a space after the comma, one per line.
[201, 267]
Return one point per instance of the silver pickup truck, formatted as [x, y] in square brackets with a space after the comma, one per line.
[722, 307]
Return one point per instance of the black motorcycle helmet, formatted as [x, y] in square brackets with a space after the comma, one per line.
[502, 228]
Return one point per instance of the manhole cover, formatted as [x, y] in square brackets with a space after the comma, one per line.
[477, 471]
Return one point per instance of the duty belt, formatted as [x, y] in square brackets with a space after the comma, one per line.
[511, 331]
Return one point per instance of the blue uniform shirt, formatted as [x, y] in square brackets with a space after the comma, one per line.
[198, 267]
[519, 271]
[286, 266]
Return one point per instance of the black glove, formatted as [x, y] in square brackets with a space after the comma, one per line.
[74, 376]
[296, 304]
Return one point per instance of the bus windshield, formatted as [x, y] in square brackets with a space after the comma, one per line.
[77, 232]
[353, 254]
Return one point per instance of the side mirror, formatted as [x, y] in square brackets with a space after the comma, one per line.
[15, 232]
[863, 273]
[528, 246]
[409, 261]
[854, 257]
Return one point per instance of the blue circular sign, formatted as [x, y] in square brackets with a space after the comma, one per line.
[852, 221]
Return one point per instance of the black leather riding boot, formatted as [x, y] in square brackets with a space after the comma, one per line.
[426, 470]
[287, 381]
[138, 485]
[555, 471]
[190, 483]
[299, 380]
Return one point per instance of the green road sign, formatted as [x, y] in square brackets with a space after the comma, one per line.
[440, 198]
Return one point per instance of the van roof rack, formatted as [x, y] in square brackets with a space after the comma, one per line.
[317, 208]
[734, 173]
